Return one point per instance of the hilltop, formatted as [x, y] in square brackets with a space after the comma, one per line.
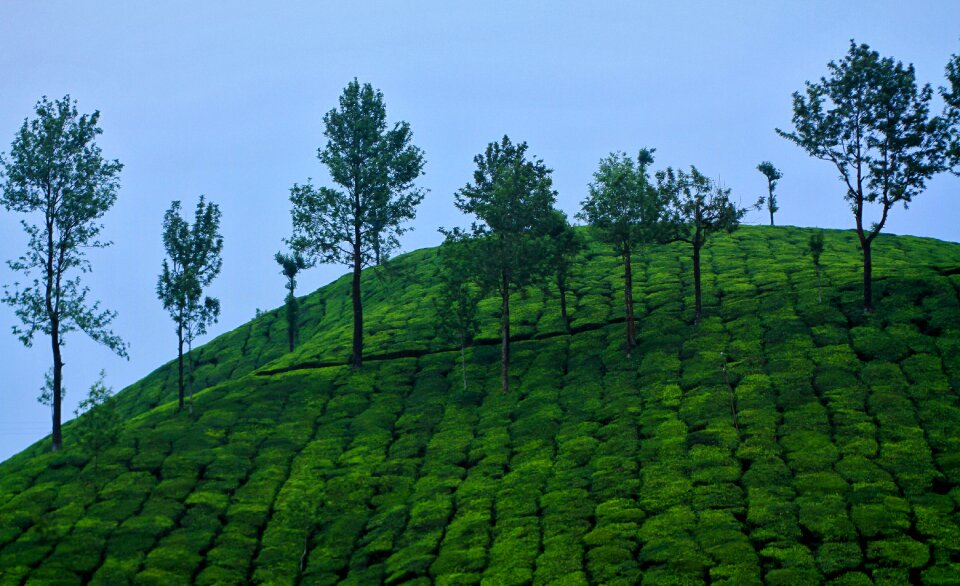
[781, 441]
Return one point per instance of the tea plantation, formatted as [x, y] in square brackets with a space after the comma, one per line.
[779, 442]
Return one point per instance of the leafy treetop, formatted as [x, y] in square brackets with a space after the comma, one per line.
[623, 207]
[872, 122]
[375, 167]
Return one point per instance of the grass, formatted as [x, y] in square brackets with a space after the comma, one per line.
[781, 442]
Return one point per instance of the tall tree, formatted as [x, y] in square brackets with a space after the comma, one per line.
[815, 247]
[563, 244]
[773, 175]
[56, 176]
[290, 265]
[627, 212]
[512, 198]
[375, 167]
[193, 261]
[951, 98]
[456, 304]
[872, 122]
[697, 208]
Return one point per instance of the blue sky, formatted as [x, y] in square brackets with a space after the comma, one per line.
[226, 99]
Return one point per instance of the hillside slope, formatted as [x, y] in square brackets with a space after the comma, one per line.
[779, 442]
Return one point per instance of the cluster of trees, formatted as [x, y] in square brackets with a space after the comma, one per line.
[869, 118]
[57, 178]
[518, 238]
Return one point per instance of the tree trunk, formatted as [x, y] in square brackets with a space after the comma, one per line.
[54, 315]
[819, 289]
[563, 303]
[696, 282]
[291, 320]
[628, 301]
[770, 199]
[356, 360]
[505, 330]
[57, 385]
[180, 365]
[190, 377]
[463, 360]
[867, 276]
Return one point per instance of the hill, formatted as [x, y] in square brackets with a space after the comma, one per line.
[781, 441]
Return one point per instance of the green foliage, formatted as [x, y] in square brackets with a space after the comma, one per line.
[563, 243]
[815, 247]
[951, 98]
[842, 467]
[458, 298]
[98, 424]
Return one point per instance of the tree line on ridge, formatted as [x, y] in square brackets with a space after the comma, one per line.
[868, 117]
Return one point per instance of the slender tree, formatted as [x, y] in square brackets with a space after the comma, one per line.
[56, 176]
[951, 98]
[815, 247]
[698, 208]
[563, 244]
[193, 261]
[627, 212]
[871, 121]
[290, 265]
[375, 168]
[512, 198]
[773, 175]
[98, 421]
[456, 304]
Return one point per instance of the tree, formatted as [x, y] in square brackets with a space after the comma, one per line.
[512, 198]
[375, 167]
[193, 261]
[98, 421]
[951, 98]
[456, 305]
[697, 208]
[563, 244]
[872, 122]
[626, 212]
[773, 175]
[57, 177]
[815, 246]
[291, 264]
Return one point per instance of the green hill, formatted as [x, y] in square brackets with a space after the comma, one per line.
[782, 441]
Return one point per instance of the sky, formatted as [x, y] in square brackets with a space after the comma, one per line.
[226, 99]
